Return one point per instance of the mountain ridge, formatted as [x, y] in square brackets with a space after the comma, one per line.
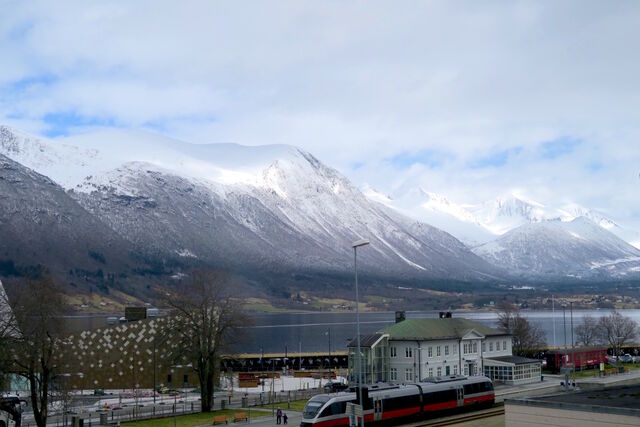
[288, 212]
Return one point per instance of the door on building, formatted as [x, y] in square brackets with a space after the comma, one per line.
[472, 369]
[448, 371]
[377, 409]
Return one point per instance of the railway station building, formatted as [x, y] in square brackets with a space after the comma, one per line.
[416, 349]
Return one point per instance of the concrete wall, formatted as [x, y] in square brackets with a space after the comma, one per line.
[517, 415]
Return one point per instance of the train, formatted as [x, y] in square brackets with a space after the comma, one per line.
[387, 404]
[579, 357]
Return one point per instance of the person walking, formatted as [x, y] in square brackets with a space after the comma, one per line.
[279, 416]
[285, 418]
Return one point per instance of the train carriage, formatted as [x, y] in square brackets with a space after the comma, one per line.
[387, 403]
[579, 358]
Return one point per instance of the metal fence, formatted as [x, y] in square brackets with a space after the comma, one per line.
[167, 409]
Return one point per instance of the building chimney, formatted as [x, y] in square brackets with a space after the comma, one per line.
[400, 316]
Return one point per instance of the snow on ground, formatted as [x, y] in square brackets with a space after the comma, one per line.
[284, 383]
[118, 398]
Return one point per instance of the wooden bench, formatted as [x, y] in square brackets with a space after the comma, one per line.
[240, 416]
[220, 419]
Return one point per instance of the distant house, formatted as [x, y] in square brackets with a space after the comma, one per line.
[416, 349]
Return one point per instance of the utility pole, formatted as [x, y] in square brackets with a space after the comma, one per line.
[553, 310]
[573, 362]
[154, 373]
[262, 367]
[564, 317]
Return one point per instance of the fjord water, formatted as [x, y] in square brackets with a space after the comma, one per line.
[314, 332]
[272, 332]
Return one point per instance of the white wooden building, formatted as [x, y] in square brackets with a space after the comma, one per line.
[415, 349]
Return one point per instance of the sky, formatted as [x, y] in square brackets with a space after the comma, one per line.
[471, 99]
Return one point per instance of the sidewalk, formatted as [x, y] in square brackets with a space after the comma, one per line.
[294, 420]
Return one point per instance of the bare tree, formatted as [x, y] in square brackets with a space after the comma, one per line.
[7, 334]
[205, 321]
[526, 336]
[587, 331]
[38, 308]
[617, 330]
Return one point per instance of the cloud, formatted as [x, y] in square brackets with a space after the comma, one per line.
[534, 95]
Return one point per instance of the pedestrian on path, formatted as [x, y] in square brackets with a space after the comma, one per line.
[285, 418]
[279, 416]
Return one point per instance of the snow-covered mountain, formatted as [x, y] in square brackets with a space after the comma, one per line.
[277, 209]
[40, 224]
[436, 210]
[476, 224]
[554, 249]
[272, 208]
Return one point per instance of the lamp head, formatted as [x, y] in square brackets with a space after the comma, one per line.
[361, 242]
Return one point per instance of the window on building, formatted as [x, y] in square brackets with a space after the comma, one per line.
[430, 372]
[483, 347]
[504, 345]
[393, 352]
[408, 352]
[491, 346]
[466, 369]
[446, 350]
[408, 374]
[439, 371]
[455, 369]
[455, 349]
[475, 346]
[438, 351]
[394, 374]
[430, 351]
[465, 349]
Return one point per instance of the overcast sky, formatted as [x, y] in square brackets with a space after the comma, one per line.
[469, 99]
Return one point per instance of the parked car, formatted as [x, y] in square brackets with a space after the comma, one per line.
[626, 358]
[333, 387]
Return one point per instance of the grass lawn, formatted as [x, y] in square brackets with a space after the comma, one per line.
[296, 405]
[192, 420]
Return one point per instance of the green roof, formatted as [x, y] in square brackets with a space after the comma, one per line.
[434, 329]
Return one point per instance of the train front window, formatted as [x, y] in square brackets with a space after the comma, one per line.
[313, 406]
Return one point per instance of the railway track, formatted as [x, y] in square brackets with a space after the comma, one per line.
[496, 410]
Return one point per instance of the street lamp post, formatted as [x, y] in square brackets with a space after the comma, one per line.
[355, 246]
[262, 368]
[564, 317]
